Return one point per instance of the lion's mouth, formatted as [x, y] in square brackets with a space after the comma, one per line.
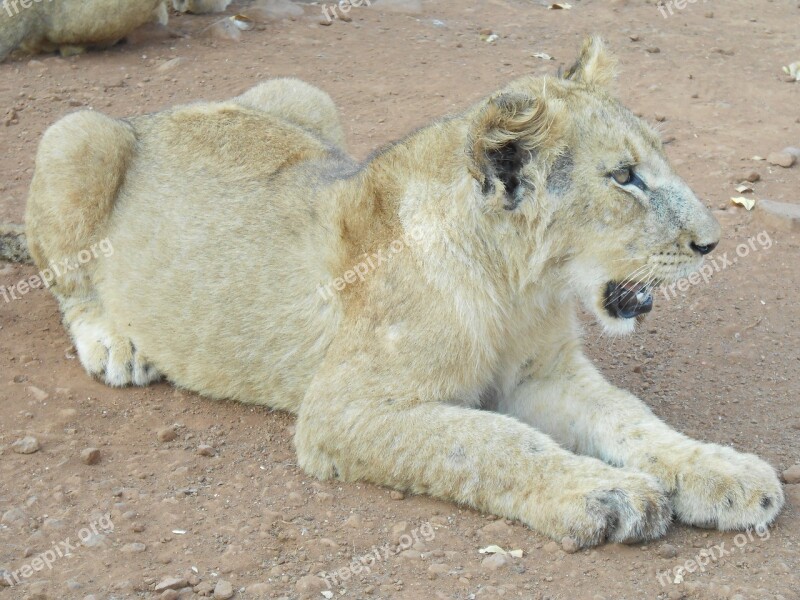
[628, 300]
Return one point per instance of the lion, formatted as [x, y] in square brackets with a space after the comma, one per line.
[72, 26]
[417, 311]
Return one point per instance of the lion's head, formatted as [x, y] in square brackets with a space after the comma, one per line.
[578, 175]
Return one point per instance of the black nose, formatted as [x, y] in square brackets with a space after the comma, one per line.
[706, 249]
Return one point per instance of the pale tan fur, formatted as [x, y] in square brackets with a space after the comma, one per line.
[238, 228]
[72, 26]
[199, 7]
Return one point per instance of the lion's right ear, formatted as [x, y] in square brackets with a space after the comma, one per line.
[506, 134]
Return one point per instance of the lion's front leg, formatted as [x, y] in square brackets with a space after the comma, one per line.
[355, 427]
[710, 485]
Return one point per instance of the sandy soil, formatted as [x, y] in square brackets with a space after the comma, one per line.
[719, 361]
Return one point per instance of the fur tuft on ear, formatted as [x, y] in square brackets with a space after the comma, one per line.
[595, 65]
[507, 132]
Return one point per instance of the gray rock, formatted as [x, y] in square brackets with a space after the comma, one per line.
[27, 445]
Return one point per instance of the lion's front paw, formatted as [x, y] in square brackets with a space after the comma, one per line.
[719, 487]
[621, 507]
[112, 358]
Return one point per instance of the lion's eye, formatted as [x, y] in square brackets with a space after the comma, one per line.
[623, 176]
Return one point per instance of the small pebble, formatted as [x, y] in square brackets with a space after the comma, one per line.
[792, 475]
[167, 434]
[90, 456]
[569, 545]
[171, 583]
[27, 445]
[223, 590]
[494, 562]
[667, 551]
[206, 450]
[750, 177]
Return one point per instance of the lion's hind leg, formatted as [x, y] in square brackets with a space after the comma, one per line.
[297, 102]
[80, 165]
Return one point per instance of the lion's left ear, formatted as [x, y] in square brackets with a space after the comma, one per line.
[507, 132]
[595, 65]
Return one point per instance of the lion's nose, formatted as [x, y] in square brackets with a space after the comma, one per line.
[703, 249]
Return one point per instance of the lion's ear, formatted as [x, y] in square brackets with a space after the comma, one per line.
[595, 66]
[507, 133]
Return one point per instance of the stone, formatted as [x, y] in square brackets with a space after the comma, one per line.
[90, 456]
[494, 562]
[223, 590]
[792, 475]
[667, 551]
[206, 450]
[778, 215]
[782, 159]
[171, 583]
[569, 545]
[167, 434]
[26, 445]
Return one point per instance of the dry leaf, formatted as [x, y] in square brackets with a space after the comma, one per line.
[542, 55]
[243, 23]
[744, 189]
[499, 550]
[560, 6]
[748, 203]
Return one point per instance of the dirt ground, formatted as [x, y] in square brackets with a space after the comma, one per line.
[719, 361]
